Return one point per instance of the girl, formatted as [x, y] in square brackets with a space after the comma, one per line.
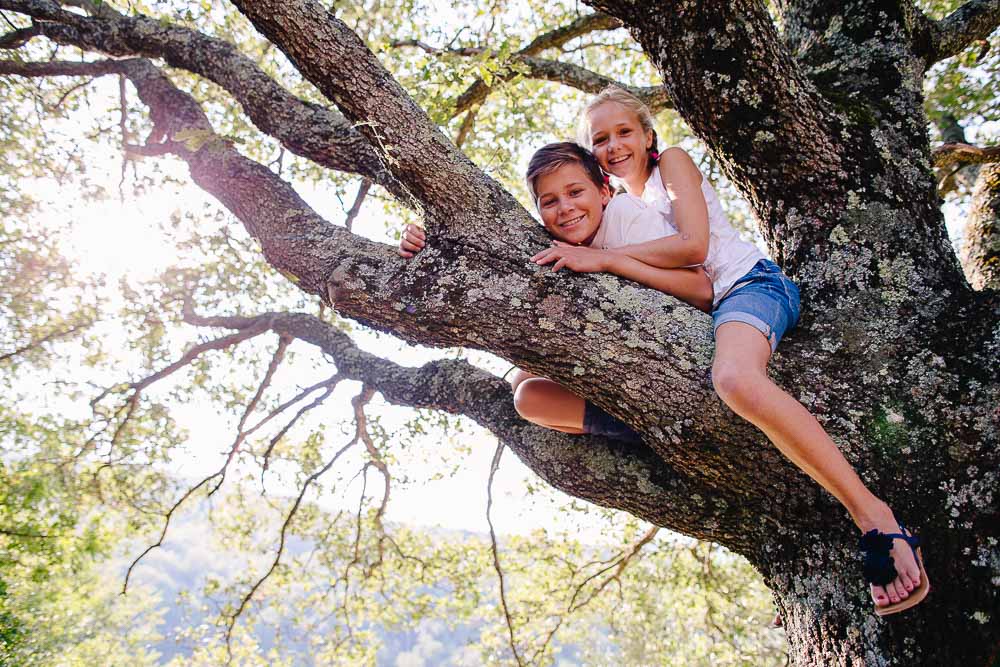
[754, 304]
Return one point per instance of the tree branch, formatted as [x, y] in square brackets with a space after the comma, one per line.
[337, 62]
[553, 39]
[981, 250]
[971, 22]
[575, 464]
[561, 72]
[961, 154]
[512, 641]
[54, 335]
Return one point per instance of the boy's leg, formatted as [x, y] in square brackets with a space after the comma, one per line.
[739, 374]
[548, 404]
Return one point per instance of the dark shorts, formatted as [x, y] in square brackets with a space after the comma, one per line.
[598, 422]
[765, 298]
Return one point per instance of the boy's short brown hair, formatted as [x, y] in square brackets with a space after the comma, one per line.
[550, 157]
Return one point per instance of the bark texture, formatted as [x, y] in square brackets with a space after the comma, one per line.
[820, 125]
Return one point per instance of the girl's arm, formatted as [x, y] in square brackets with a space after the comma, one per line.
[691, 285]
[689, 247]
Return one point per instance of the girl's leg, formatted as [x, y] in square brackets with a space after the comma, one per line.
[739, 374]
[546, 403]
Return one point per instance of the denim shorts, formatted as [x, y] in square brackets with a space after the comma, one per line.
[765, 298]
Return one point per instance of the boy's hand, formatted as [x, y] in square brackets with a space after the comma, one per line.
[412, 241]
[575, 258]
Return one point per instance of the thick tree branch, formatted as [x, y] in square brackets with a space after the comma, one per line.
[336, 61]
[981, 250]
[970, 23]
[306, 129]
[459, 388]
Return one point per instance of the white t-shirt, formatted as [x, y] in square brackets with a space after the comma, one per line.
[628, 220]
[729, 257]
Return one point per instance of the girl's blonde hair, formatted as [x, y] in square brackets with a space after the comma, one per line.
[630, 102]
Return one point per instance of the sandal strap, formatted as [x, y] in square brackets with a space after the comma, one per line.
[878, 567]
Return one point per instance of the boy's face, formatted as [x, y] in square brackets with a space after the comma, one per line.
[571, 205]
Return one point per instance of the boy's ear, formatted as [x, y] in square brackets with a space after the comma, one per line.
[605, 195]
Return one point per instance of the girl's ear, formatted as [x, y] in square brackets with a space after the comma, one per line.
[649, 139]
[605, 195]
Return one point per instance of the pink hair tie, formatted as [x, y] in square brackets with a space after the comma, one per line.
[653, 153]
[607, 179]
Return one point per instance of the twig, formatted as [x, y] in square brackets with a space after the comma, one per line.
[166, 525]
[618, 564]
[123, 126]
[496, 554]
[281, 543]
[241, 434]
[45, 339]
[330, 386]
[363, 189]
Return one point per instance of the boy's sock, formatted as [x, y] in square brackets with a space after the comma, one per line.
[598, 422]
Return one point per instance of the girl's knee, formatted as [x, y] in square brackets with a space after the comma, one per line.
[734, 382]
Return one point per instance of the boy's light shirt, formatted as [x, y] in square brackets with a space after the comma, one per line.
[628, 220]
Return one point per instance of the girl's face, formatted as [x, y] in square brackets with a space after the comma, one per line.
[571, 205]
[620, 143]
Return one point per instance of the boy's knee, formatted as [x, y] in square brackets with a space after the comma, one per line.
[528, 398]
[517, 376]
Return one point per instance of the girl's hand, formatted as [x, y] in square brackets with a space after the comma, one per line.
[412, 241]
[575, 258]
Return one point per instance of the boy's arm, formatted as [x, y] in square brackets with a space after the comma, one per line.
[691, 285]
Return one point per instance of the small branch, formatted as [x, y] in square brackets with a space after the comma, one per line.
[961, 154]
[123, 126]
[435, 51]
[196, 351]
[18, 38]
[329, 384]
[18, 533]
[241, 434]
[166, 525]
[65, 68]
[281, 542]
[619, 563]
[496, 552]
[467, 124]
[363, 189]
[376, 459]
[55, 335]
